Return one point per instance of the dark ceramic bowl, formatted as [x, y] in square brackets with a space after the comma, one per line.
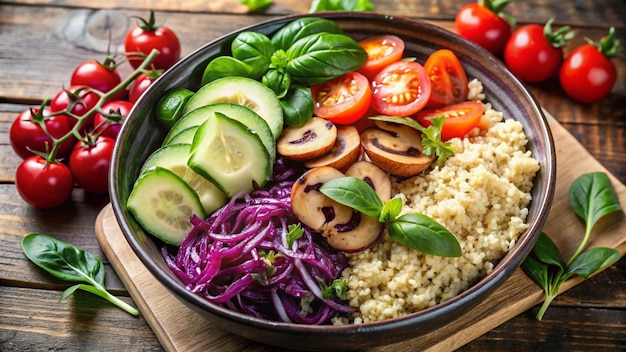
[141, 135]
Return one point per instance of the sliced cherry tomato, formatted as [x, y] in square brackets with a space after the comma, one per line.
[27, 136]
[147, 35]
[42, 184]
[483, 24]
[460, 118]
[534, 53]
[343, 100]
[400, 89]
[99, 76]
[447, 77]
[382, 51]
[90, 164]
[587, 74]
[81, 100]
[118, 109]
[141, 84]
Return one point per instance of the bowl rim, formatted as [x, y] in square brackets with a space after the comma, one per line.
[485, 285]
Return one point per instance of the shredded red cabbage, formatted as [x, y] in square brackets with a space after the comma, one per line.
[239, 257]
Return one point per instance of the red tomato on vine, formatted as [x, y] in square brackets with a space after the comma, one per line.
[99, 76]
[485, 24]
[103, 122]
[141, 84]
[534, 53]
[588, 74]
[147, 35]
[43, 184]
[26, 135]
[90, 161]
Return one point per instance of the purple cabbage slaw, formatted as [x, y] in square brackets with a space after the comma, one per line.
[225, 259]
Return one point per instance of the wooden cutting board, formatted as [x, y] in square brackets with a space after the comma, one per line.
[180, 329]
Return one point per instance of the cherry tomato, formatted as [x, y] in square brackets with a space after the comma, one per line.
[141, 83]
[102, 77]
[343, 100]
[400, 89]
[119, 108]
[533, 53]
[145, 36]
[447, 77]
[460, 118]
[26, 135]
[382, 51]
[587, 74]
[90, 164]
[81, 99]
[42, 184]
[481, 23]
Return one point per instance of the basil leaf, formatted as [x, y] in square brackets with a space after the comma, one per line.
[297, 106]
[592, 196]
[547, 252]
[341, 5]
[226, 66]
[253, 49]
[287, 35]
[255, 5]
[537, 271]
[424, 234]
[391, 210]
[354, 193]
[321, 57]
[63, 260]
[277, 81]
[593, 260]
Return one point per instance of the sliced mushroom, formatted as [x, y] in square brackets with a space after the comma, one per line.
[344, 228]
[395, 148]
[373, 175]
[345, 151]
[317, 137]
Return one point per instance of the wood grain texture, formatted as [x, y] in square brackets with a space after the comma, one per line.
[178, 328]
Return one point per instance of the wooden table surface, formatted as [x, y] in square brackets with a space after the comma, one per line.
[42, 41]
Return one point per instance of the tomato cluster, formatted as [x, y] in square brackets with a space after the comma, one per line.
[535, 53]
[390, 85]
[69, 140]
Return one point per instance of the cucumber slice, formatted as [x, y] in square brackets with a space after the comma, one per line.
[162, 204]
[237, 112]
[174, 158]
[230, 155]
[184, 137]
[241, 91]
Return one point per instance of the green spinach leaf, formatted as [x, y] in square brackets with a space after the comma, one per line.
[70, 263]
[592, 197]
[341, 5]
[295, 30]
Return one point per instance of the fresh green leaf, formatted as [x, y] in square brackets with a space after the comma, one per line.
[431, 135]
[341, 5]
[295, 232]
[338, 288]
[592, 196]
[70, 263]
[354, 193]
[297, 106]
[226, 66]
[255, 5]
[320, 57]
[547, 252]
[253, 49]
[295, 30]
[391, 210]
[593, 260]
[278, 81]
[537, 271]
[424, 234]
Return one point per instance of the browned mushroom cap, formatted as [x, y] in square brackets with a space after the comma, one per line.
[344, 228]
[395, 148]
[345, 151]
[317, 137]
[374, 176]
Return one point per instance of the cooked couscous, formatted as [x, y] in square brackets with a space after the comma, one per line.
[481, 195]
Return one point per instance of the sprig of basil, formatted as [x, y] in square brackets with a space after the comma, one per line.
[70, 263]
[416, 231]
[591, 196]
[340, 5]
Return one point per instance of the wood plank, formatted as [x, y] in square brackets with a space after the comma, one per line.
[516, 296]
